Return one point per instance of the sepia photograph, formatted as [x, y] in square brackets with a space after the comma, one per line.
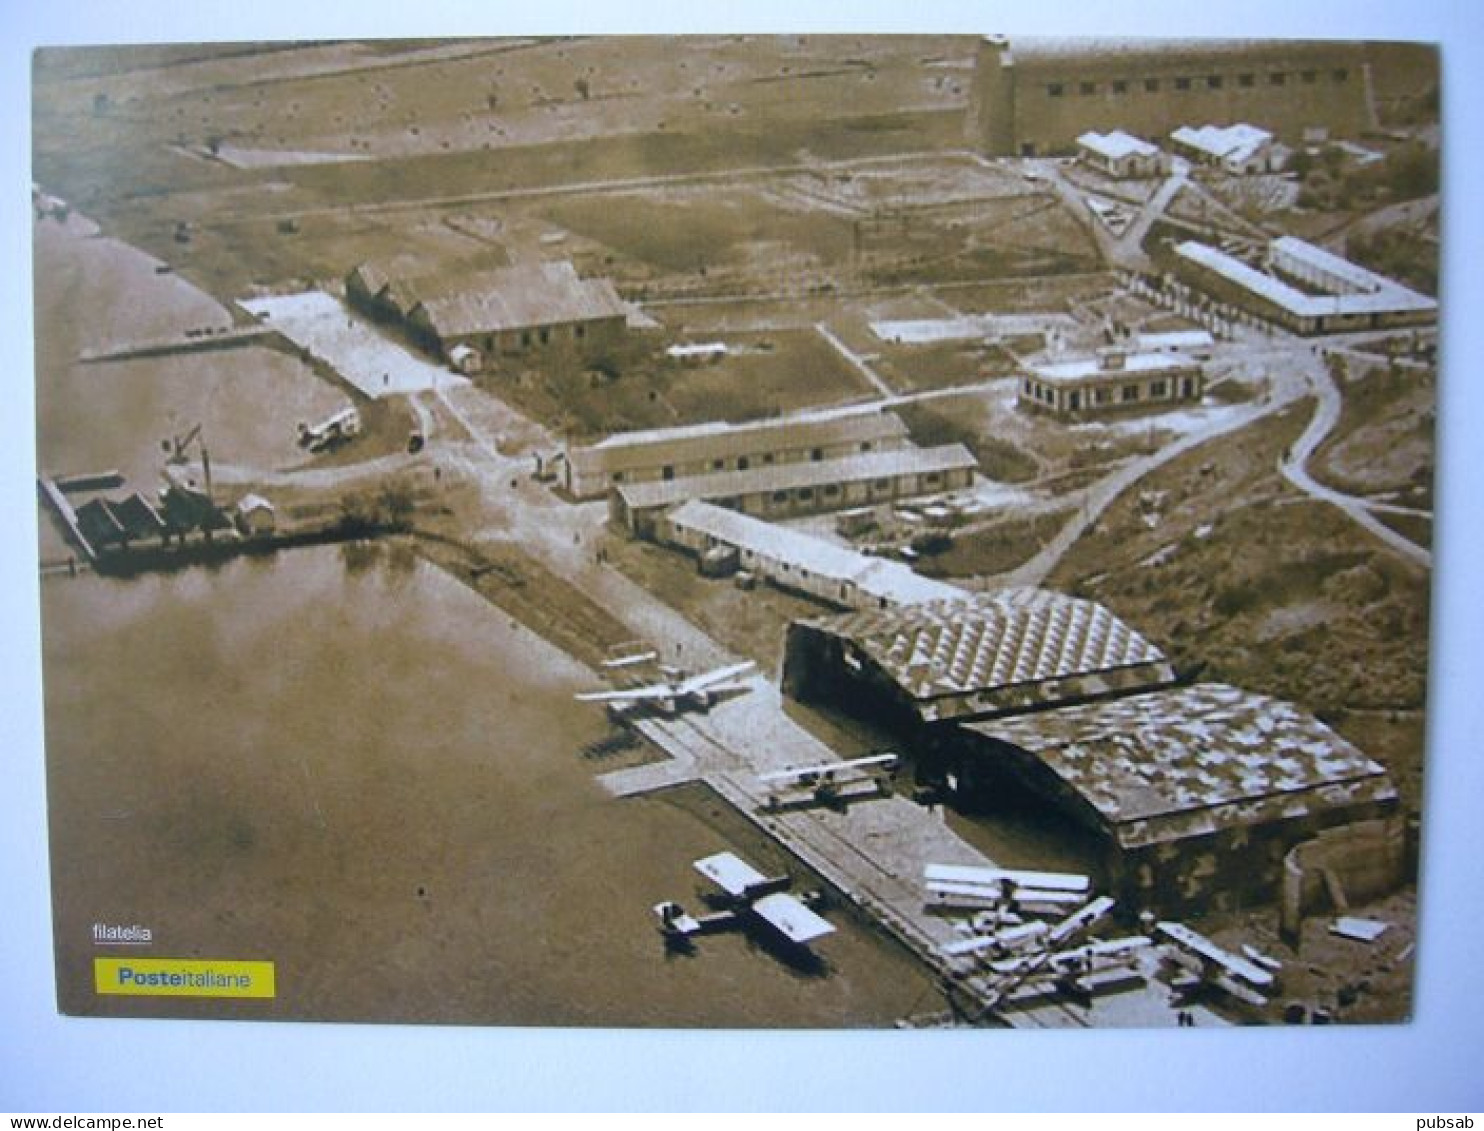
[826, 531]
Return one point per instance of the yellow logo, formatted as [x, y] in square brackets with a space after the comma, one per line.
[183, 977]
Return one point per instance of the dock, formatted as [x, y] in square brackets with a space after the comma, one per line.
[54, 496]
[191, 341]
[874, 850]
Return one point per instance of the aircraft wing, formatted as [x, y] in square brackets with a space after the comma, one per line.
[710, 679]
[730, 873]
[627, 695]
[791, 918]
[881, 763]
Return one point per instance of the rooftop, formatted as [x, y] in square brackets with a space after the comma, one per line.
[513, 298]
[1389, 297]
[1226, 143]
[1184, 762]
[1116, 145]
[719, 439]
[1079, 369]
[875, 577]
[1003, 652]
[800, 473]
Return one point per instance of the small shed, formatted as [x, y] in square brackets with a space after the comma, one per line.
[255, 516]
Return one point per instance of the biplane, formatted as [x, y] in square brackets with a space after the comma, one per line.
[825, 784]
[674, 694]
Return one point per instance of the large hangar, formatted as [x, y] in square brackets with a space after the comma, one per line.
[993, 654]
[1194, 794]
[1031, 703]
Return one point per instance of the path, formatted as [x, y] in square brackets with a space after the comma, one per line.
[860, 363]
[1295, 468]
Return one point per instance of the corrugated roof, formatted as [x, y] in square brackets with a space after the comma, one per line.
[1006, 651]
[516, 298]
[874, 577]
[801, 473]
[719, 440]
[1190, 761]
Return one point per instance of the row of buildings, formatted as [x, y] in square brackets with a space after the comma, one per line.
[1240, 149]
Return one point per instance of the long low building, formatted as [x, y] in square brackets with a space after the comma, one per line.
[993, 654]
[799, 562]
[785, 490]
[1193, 795]
[1111, 382]
[589, 471]
[1348, 297]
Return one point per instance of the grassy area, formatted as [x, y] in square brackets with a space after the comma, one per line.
[994, 549]
[699, 231]
[941, 422]
[1383, 442]
[768, 374]
[1220, 562]
[941, 365]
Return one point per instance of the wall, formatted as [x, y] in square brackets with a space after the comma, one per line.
[1014, 109]
[1368, 858]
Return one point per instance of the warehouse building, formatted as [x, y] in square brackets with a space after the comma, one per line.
[705, 449]
[1037, 96]
[797, 562]
[1304, 288]
[994, 654]
[1111, 382]
[787, 490]
[519, 310]
[1119, 155]
[1192, 795]
[475, 319]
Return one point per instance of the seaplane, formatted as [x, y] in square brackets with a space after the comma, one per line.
[824, 784]
[748, 899]
[673, 693]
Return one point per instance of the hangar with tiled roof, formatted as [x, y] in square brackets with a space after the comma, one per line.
[1196, 792]
[1000, 653]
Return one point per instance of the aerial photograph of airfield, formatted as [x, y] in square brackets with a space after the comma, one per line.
[739, 531]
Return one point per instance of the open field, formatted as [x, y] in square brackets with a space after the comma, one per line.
[765, 374]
